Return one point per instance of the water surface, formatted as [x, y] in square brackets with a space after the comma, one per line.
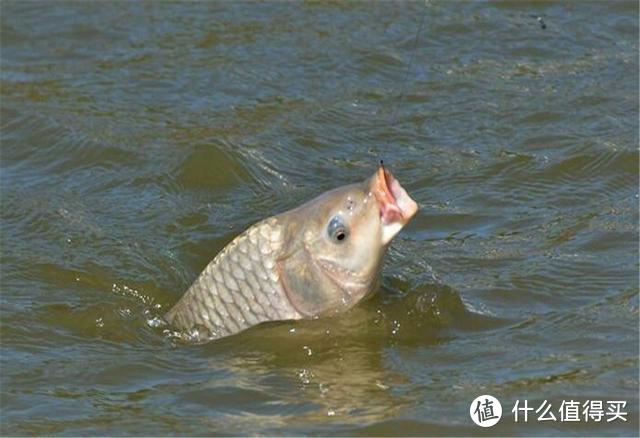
[139, 138]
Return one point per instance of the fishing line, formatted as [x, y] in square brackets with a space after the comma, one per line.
[394, 117]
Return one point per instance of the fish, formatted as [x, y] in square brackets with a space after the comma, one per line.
[319, 259]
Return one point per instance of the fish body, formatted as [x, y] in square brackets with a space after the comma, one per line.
[315, 260]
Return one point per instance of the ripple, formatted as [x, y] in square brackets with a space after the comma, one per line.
[208, 166]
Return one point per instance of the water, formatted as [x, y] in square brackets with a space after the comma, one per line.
[139, 138]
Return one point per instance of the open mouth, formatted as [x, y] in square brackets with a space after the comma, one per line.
[395, 204]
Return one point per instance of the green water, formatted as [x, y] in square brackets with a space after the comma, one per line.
[137, 139]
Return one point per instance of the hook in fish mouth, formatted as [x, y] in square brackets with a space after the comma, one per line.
[396, 206]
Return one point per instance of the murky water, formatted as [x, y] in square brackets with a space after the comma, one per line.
[139, 138]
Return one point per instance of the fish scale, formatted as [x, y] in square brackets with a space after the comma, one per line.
[239, 288]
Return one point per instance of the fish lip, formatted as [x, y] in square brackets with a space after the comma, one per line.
[395, 203]
[353, 287]
[332, 269]
[352, 291]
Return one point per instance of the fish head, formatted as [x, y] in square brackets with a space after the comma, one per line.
[338, 241]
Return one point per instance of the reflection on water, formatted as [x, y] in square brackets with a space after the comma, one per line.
[137, 140]
[347, 379]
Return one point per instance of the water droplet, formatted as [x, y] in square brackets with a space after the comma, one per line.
[193, 335]
[172, 334]
[305, 376]
[156, 322]
[395, 327]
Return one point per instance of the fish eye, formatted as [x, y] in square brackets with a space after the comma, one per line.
[337, 230]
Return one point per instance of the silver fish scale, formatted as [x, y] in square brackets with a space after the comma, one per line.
[239, 288]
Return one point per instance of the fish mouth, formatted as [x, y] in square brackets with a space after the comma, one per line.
[347, 281]
[353, 286]
[396, 206]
